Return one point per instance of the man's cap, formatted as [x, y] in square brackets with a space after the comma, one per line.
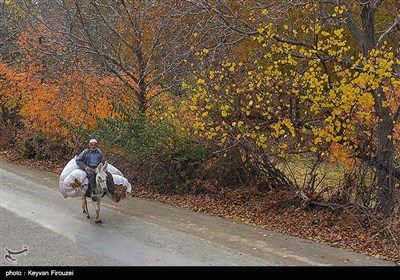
[93, 141]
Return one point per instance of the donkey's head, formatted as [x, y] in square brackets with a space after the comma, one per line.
[101, 177]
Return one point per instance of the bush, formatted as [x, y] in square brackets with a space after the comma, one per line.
[164, 159]
[40, 147]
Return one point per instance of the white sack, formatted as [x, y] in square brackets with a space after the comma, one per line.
[113, 170]
[70, 187]
[75, 184]
[121, 187]
[120, 180]
[71, 165]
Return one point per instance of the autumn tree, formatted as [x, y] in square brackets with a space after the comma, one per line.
[10, 76]
[140, 45]
[140, 42]
[315, 81]
[7, 33]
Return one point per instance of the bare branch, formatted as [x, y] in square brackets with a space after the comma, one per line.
[293, 42]
[354, 29]
[391, 29]
[378, 3]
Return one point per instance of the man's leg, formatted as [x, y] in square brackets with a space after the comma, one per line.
[110, 182]
[92, 182]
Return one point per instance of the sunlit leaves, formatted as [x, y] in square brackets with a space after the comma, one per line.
[294, 95]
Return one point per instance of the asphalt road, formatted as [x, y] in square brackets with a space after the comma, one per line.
[38, 227]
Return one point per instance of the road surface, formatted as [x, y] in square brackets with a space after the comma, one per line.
[39, 227]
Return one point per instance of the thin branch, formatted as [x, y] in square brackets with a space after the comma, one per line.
[293, 42]
[388, 31]
[377, 3]
[354, 29]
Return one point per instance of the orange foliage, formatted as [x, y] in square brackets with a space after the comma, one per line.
[341, 154]
[394, 101]
[76, 97]
[78, 103]
[10, 85]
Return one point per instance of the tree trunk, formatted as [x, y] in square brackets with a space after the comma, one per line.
[385, 147]
[384, 156]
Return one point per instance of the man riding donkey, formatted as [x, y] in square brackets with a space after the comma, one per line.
[88, 160]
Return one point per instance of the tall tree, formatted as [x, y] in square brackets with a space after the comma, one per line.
[326, 55]
[140, 42]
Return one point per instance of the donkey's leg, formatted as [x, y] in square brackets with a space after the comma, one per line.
[97, 207]
[85, 207]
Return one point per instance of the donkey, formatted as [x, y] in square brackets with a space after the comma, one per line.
[100, 191]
